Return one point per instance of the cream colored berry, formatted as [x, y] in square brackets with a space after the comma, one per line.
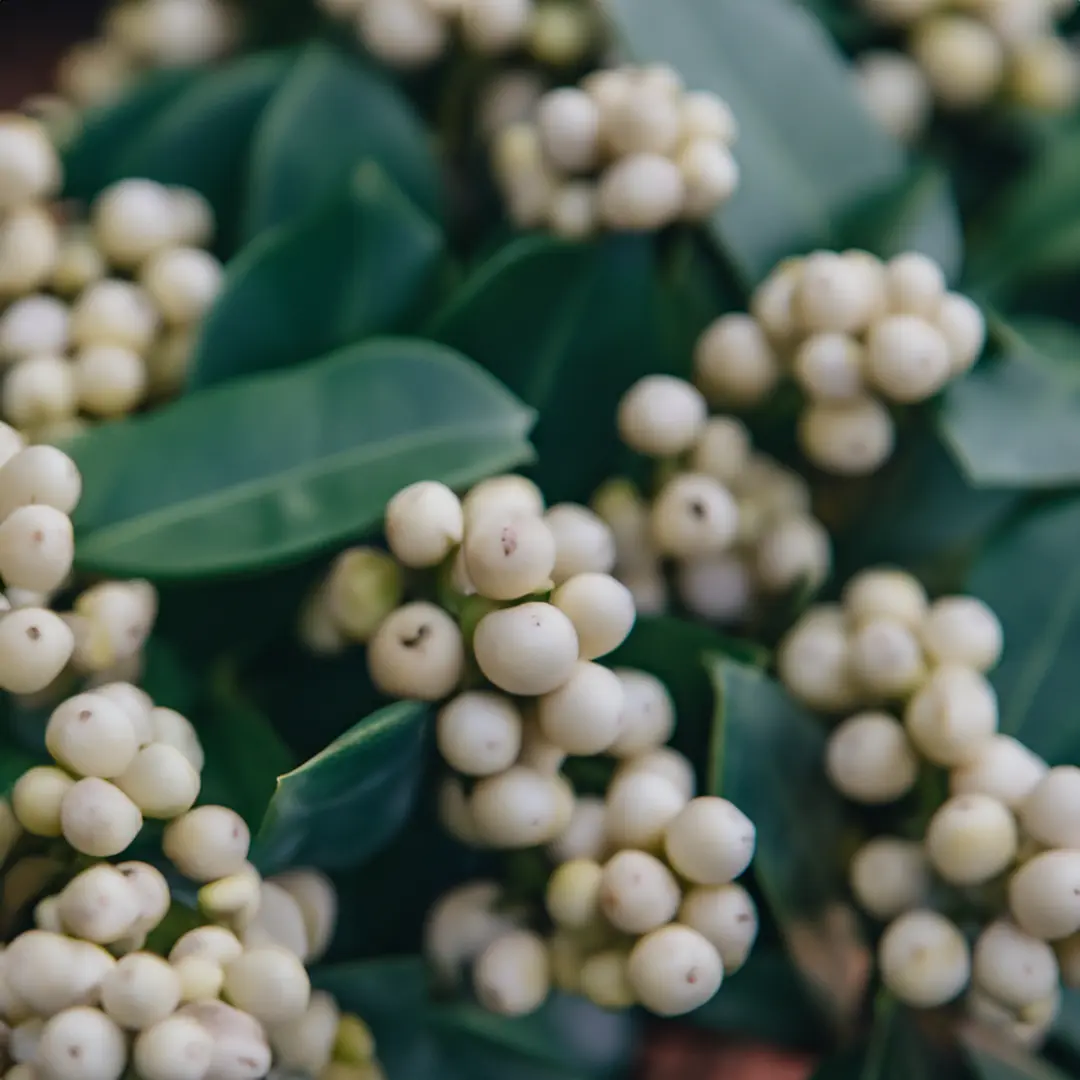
[889, 876]
[79, 263]
[907, 358]
[734, 363]
[39, 474]
[572, 896]
[363, 587]
[722, 450]
[1044, 74]
[584, 543]
[727, 917]
[640, 807]
[207, 843]
[674, 970]
[661, 416]
[833, 294]
[193, 217]
[529, 650]
[81, 1044]
[710, 176]
[517, 154]
[100, 905]
[711, 842]
[48, 972]
[971, 839]
[39, 390]
[140, 990]
[640, 193]
[201, 979]
[176, 1048]
[601, 610]
[895, 92]
[234, 899]
[648, 715]
[306, 1043]
[951, 715]
[1050, 814]
[117, 617]
[1003, 768]
[643, 119]
[132, 220]
[11, 442]
[814, 661]
[280, 920]
[110, 380]
[91, 736]
[961, 57]
[719, 588]
[568, 121]
[868, 758]
[29, 246]
[32, 326]
[962, 323]
[36, 799]
[240, 1047]
[585, 837]
[35, 646]
[424, 522]
[518, 808]
[583, 715]
[1013, 967]
[269, 983]
[176, 730]
[512, 975]
[829, 367]
[793, 551]
[509, 494]
[1044, 895]
[479, 733]
[492, 27]
[663, 761]
[160, 781]
[29, 166]
[98, 818]
[605, 980]
[572, 212]
[152, 890]
[114, 312]
[638, 893]
[962, 630]
[508, 556]
[705, 115]
[886, 658]
[893, 595]
[924, 959]
[183, 282]
[462, 924]
[209, 943]
[694, 516]
[851, 438]
[406, 35]
[417, 652]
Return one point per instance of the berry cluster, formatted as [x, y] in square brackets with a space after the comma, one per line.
[962, 56]
[81, 993]
[850, 330]
[97, 317]
[629, 149]
[736, 524]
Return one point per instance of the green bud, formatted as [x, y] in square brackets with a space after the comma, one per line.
[364, 586]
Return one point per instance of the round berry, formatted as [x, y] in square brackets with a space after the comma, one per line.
[528, 650]
[509, 556]
[893, 595]
[176, 1048]
[42, 475]
[674, 970]
[35, 646]
[518, 808]
[424, 522]
[961, 57]
[829, 367]
[512, 976]
[661, 416]
[907, 358]
[951, 715]
[583, 715]
[160, 781]
[207, 843]
[814, 661]
[569, 124]
[1044, 895]
[971, 839]
[719, 588]
[100, 905]
[851, 438]
[889, 876]
[584, 543]
[964, 327]
[585, 837]
[895, 92]
[36, 799]
[640, 193]
[869, 759]
[962, 630]
[601, 609]
[1013, 967]
[694, 516]
[141, 990]
[648, 715]
[640, 807]
[98, 818]
[1050, 814]
[91, 736]
[479, 733]
[726, 916]
[1003, 768]
[39, 390]
[572, 897]
[638, 893]
[418, 653]
[711, 842]
[924, 959]
[269, 983]
[114, 312]
[81, 1044]
[183, 282]
[734, 362]
[886, 658]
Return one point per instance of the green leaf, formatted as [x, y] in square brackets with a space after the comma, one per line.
[1014, 422]
[769, 760]
[332, 114]
[1030, 577]
[106, 134]
[202, 139]
[565, 326]
[807, 148]
[354, 267]
[266, 470]
[346, 803]
[993, 1056]
[917, 214]
[900, 1050]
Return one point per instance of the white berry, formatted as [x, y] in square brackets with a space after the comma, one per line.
[207, 843]
[661, 416]
[176, 1048]
[851, 438]
[1013, 967]
[39, 474]
[585, 836]
[951, 715]
[869, 759]
[98, 818]
[640, 807]
[35, 646]
[424, 522]
[569, 124]
[518, 808]
[479, 733]
[268, 982]
[814, 662]
[1003, 768]
[638, 893]
[727, 917]
[133, 220]
[924, 959]
[734, 363]
[601, 610]
[512, 975]
[971, 839]
[674, 970]
[183, 283]
[529, 650]
[160, 781]
[81, 1044]
[640, 193]
[962, 630]
[1050, 814]
[114, 312]
[648, 716]
[1044, 895]
[36, 799]
[889, 876]
[885, 594]
[711, 842]
[141, 990]
[509, 556]
[583, 715]
[417, 652]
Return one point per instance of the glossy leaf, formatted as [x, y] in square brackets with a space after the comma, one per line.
[566, 327]
[276, 467]
[993, 1056]
[330, 115]
[1030, 577]
[1014, 422]
[354, 267]
[347, 802]
[807, 148]
[768, 759]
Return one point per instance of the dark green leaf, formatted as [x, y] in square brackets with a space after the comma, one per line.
[332, 114]
[166, 678]
[1015, 420]
[1030, 577]
[917, 214]
[993, 1056]
[346, 803]
[14, 761]
[565, 327]
[275, 467]
[352, 268]
[807, 148]
[900, 1050]
[1067, 1025]
[769, 760]
[91, 160]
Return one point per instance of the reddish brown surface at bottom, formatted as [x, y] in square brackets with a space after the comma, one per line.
[677, 1053]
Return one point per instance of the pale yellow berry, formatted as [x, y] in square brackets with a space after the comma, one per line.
[36, 799]
[962, 630]
[572, 897]
[638, 893]
[885, 594]
[868, 758]
[133, 220]
[727, 917]
[961, 57]
[183, 282]
[417, 652]
[640, 193]
[423, 523]
[110, 380]
[605, 979]
[924, 959]
[1003, 768]
[207, 843]
[814, 661]
[269, 983]
[160, 781]
[648, 715]
[889, 876]
[711, 842]
[1044, 895]
[98, 818]
[674, 970]
[951, 715]
[971, 839]
[140, 990]
[734, 363]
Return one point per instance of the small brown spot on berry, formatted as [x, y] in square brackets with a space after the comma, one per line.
[697, 509]
[33, 633]
[37, 536]
[85, 714]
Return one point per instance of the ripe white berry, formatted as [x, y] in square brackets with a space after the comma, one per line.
[509, 494]
[907, 358]
[710, 174]
[964, 327]
[29, 245]
[110, 380]
[711, 842]
[528, 650]
[583, 715]
[479, 733]
[160, 781]
[832, 294]
[78, 263]
[1003, 768]
[961, 57]
[889, 876]
[585, 837]
[29, 166]
[661, 416]
[572, 210]
[971, 839]
[924, 959]
[98, 818]
[885, 594]
[704, 115]
[207, 843]
[895, 91]
[663, 761]
[268, 982]
[208, 942]
[170, 727]
[727, 917]
[569, 124]
[723, 449]
[133, 220]
[1013, 967]
[35, 646]
[694, 516]
[640, 193]
[886, 658]
[601, 610]
[674, 970]
[642, 119]
[81, 1044]
[462, 924]
[417, 652]
[32, 326]
[39, 391]
[36, 799]
[734, 363]
[176, 1048]
[152, 890]
[509, 556]
[307, 1042]
[829, 367]
[241, 1050]
[584, 543]
[193, 217]
[424, 522]
[648, 716]
[91, 736]
[48, 972]
[915, 285]
[962, 630]
[850, 438]
[363, 587]
[201, 979]
[140, 990]
[638, 893]
[512, 975]
[719, 588]
[572, 897]
[183, 283]
[518, 808]
[793, 551]
[604, 980]
[1050, 814]
[951, 715]
[869, 759]
[640, 806]
[814, 661]
[116, 618]
[1044, 895]
[405, 35]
